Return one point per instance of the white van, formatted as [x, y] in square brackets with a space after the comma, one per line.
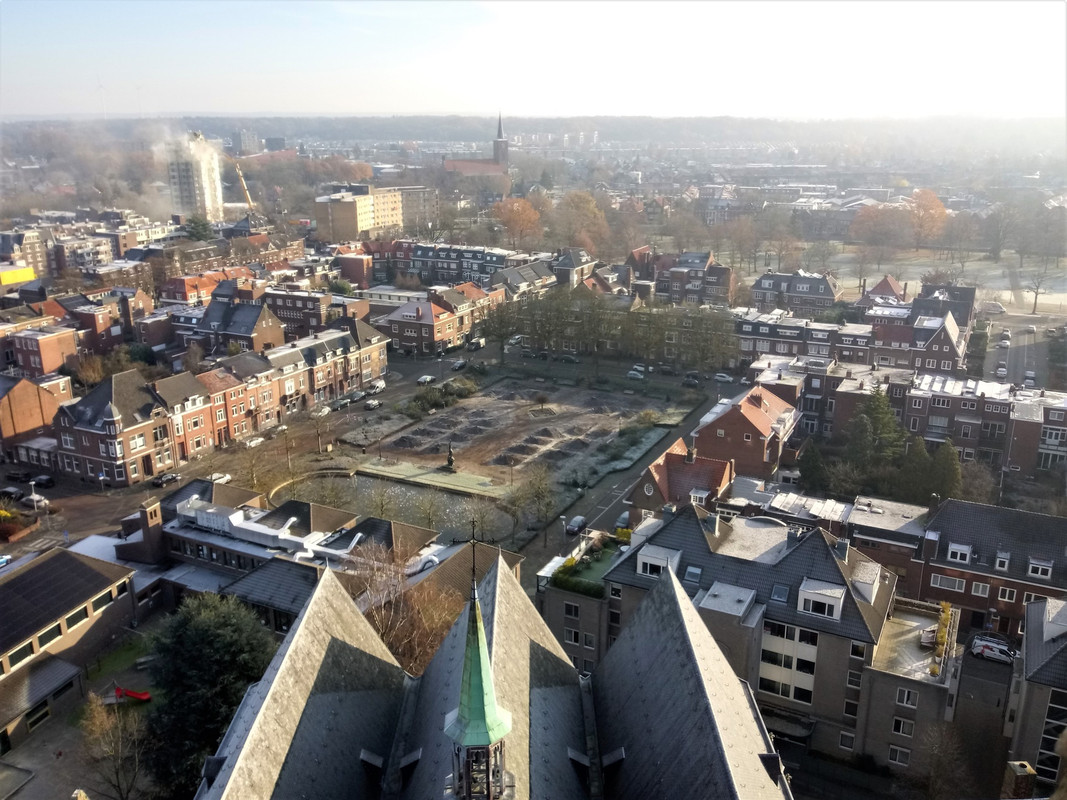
[993, 649]
[376, 387]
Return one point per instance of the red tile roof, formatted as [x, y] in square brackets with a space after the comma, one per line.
[676, 478]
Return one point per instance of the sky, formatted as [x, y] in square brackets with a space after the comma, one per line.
[786, 60]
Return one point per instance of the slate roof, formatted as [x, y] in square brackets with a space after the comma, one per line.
[1045, 643]
[332, 691]
[249, 365]
[812, 556]
[26, 687]
[123, 396]
[238, 319]
[454, 571]
[308, 517]
[885, 519]
[705, 730]
[989, 530]
[48, 588]
[176, 389]
[276, 583]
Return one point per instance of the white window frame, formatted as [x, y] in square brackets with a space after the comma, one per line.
[1006, 594]
[908, 698]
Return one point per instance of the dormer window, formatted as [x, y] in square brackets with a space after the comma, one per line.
[1002, 561]
[699, 497]
[959, 552]
[821, 598]
[819, 607]
[1039, 568]
[648, 568]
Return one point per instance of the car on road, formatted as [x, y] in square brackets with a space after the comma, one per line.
[567, 358]
[355, 397]
[638, 368]
[1003, 344]
[11, 494]
[220, 477]
[321, 411]
[461, 364]
[166, 478]
[514, 340]
[1002, 372]
[634, 375]
[666, 369]
[1005, 334]
[1031, 329]
[992, 307]
[375, 387]
[722, 377]
[527, 354]
[426, 380]
[278, 430]
[476, 344]
[4, 561]
[19, 476]
[993, 650]
[543, 355]
[690, 382]
[44, 481]
[34, 501]
[370, 405]
[577, 525]
[339, 403]
[255, 441]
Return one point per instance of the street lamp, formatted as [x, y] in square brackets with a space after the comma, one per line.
[33, 495]
[563, 520]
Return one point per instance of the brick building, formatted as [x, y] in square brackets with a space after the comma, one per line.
[754, 431]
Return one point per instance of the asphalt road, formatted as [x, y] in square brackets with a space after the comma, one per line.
[980, 707]
[1027, 351]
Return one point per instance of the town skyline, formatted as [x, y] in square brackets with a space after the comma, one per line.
[805, 60]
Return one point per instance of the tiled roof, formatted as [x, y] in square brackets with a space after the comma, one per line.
[217, 380]
[1045, 643]
[989, 530]
[124, 395]
[176, 389]
[276, 583]
[676, 478]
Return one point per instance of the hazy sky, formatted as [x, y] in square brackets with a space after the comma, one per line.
[793, 59]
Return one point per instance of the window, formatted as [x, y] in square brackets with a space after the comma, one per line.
[859, 650]
[77, 618]
[20, 654]
[774, 687]
[810, 638]
[939, 402]
[1039, 569]
[899, 756]
[959, 552]
[49, 635]
[916, 402]
[103, 601]
[570, 610]
[854, 679]
[590, 641]
[748, 437]
[907, 697]
[651, 569]
[1006, 594]
[780, 593]
[802, 695]
[903, 727]
[852, 708]
[980, 589]
[847, 740]
[819, 607]
[616, 592]
[805, 666]
[570, 636]
[614, 617]
[1001, 564]
[1030, 597]
[778, 630]
[68, 441]
[692, 574]
[776, 658]
[945, 582]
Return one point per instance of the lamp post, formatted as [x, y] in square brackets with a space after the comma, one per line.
[33, 495]
[563, 521]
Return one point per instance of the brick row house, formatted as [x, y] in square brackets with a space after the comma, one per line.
[697, 279]
[444, 321]
[443, 263]
[755, 431]
[303, 312]
[126, 431]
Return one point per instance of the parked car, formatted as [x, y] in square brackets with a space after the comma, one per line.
[44, 481]
[693, 374]
[577, 525]
[722, 377]
[666, 369]
[567, 358]
[459, 365]
[4, 560]
[1005, 334]
[1002, 372]
[11, 494]
[1031, 329]
[991, 307]
[691, 382]
[527, 354]
[34, 501]
[638, 368]
[255, 441]
[339, 403]
[993, 650]
[426, 380]
[321, 411]
[355, 397]
[166, 478]
[476, 344]
[1003, 344]
[623, 521]
[278, 430]
[376, 387]
[220, 477]
[634, 375]
[543, 355]
[19, 476]
[370, 405]
[514, 340]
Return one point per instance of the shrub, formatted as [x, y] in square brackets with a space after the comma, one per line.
[623, 535]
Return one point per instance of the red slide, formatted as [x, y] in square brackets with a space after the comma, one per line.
[120, 692]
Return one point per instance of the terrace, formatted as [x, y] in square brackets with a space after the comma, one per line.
[900, 648]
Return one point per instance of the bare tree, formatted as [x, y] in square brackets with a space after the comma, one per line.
[193, 360]
[482, 514]
[429, 504]
[113, 746]
[1037, 285]
[382, 499]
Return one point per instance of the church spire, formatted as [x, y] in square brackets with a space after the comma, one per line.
[479, 721]
[499, 125]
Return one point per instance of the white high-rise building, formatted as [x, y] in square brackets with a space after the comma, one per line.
[195, 178]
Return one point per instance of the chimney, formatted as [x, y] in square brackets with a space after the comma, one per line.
[848, 373]
[905, 297]
[691, 455]
[841, 548]
[418, 312]
[935, 503]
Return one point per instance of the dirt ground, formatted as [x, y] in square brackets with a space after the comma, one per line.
[506, 428]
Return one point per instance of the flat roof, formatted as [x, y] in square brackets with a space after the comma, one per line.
[898, 649]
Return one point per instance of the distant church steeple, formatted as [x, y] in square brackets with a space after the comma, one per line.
[500, 145]
[478, 726]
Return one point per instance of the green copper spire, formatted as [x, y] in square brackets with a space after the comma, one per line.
[478, 721]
